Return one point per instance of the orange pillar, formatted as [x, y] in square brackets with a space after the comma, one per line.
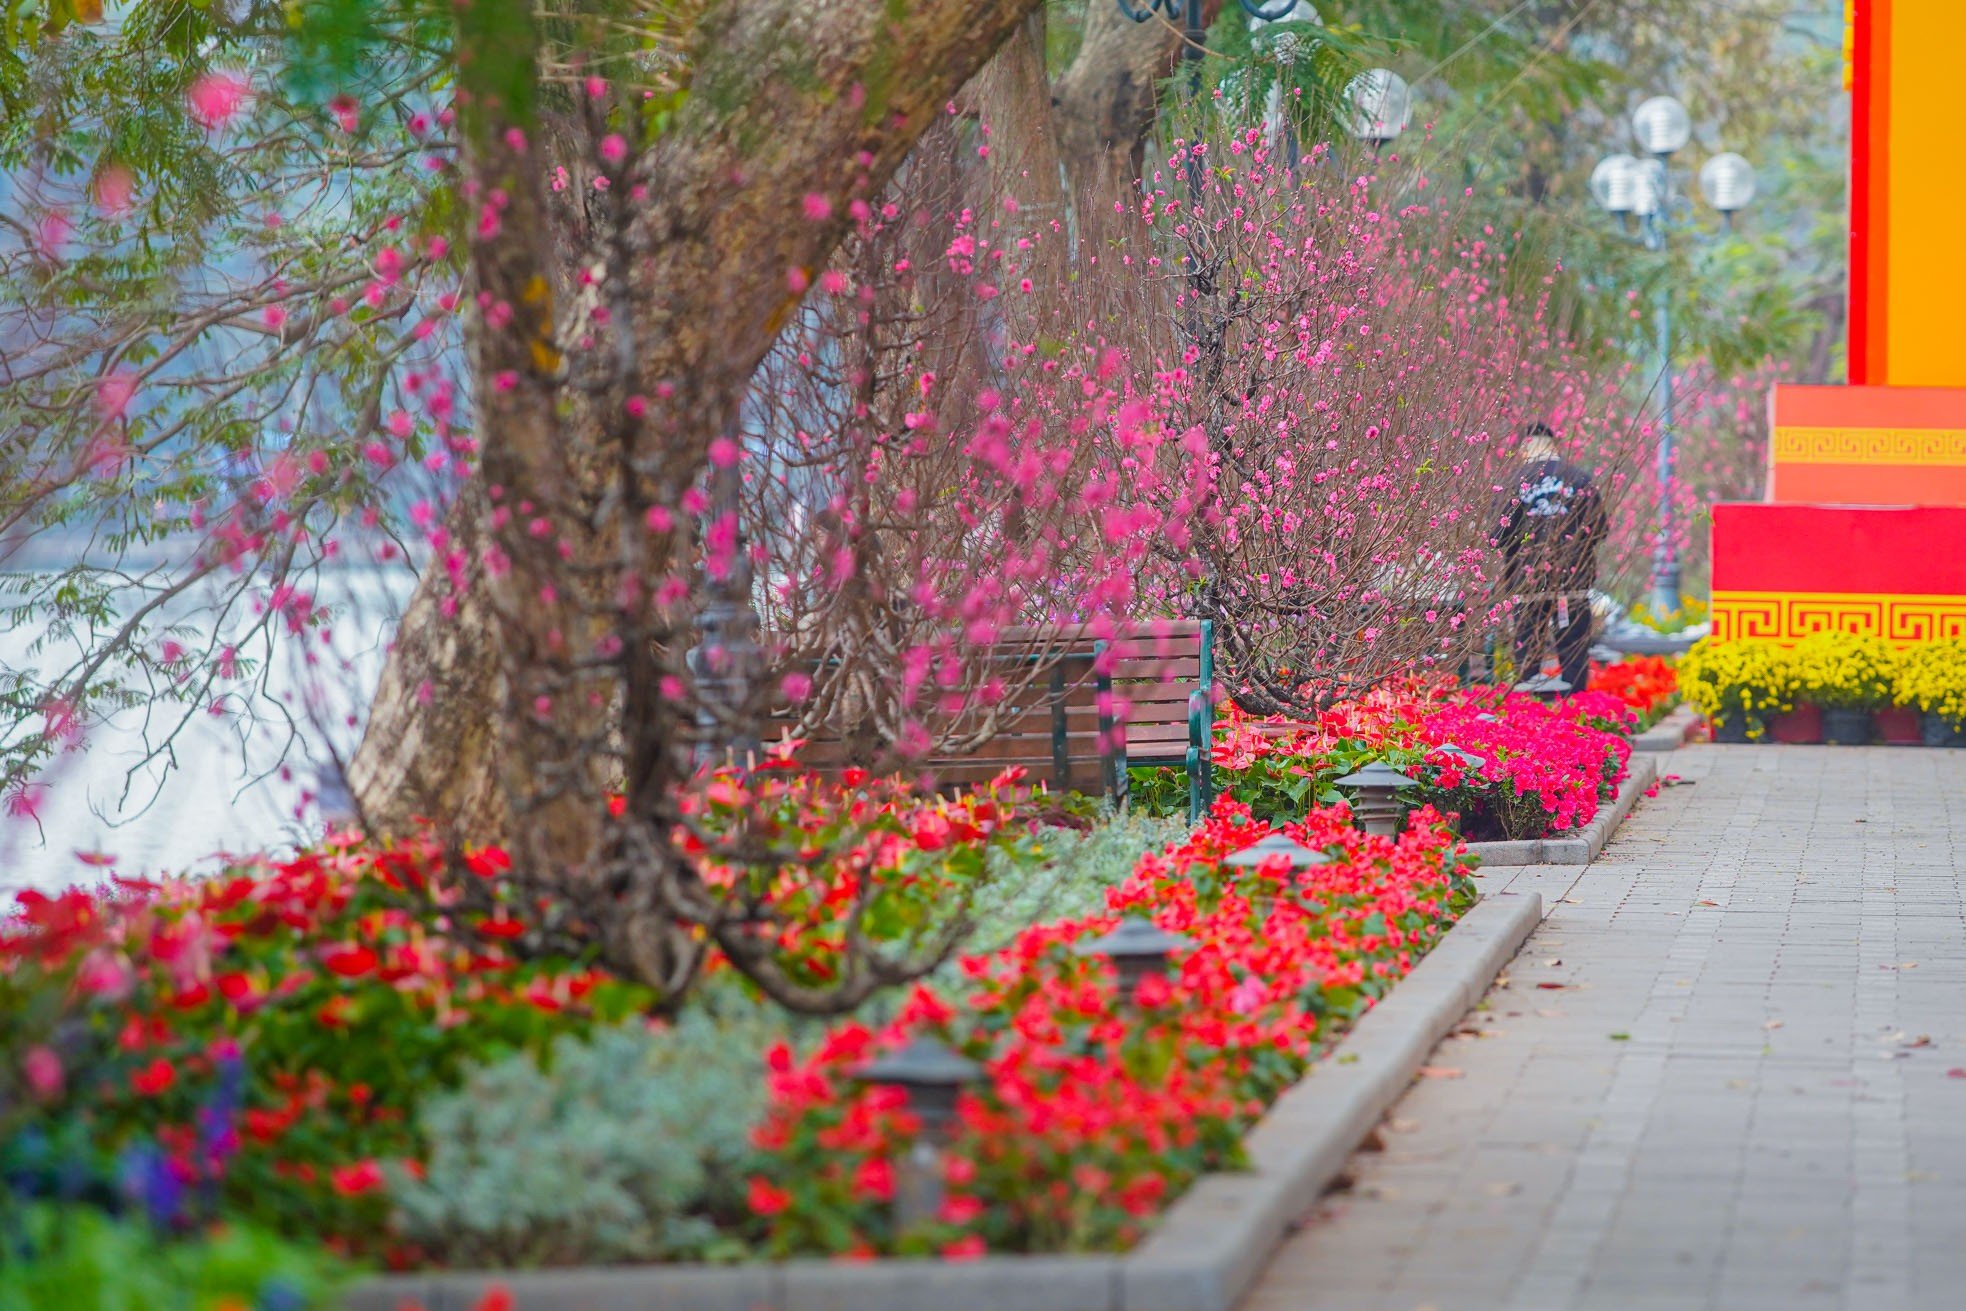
[1907, 194]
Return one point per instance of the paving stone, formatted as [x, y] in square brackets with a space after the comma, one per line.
[1723, 1101]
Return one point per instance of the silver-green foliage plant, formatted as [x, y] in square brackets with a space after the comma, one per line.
[628, 1146]
[1080, 865]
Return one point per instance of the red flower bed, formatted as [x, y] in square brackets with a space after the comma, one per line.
[1545, 767]
[327, 974]
[1092, 1117]
[1648, 685]
[352, 982]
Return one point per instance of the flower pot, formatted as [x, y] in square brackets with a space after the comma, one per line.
[1937, 731]
[1898, 726]
[1734, 731]
[1798, 727]
[1844, 727]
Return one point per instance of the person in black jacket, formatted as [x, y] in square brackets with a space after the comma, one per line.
[1551, 522]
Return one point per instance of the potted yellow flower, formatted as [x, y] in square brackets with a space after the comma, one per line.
[1932, 679]
[1738, 685]
[1849, 675]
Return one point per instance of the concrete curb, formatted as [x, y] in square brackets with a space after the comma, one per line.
[1669, 734]
[1204, 1255]
[1581, 848]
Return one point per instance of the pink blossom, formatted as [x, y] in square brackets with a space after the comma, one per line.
[215, 98]
[114, 189]
[43, 1071]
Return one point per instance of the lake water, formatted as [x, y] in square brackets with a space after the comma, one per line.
[228, 783]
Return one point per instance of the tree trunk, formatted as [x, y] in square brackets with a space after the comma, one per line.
[1107, 99]
[794, 113]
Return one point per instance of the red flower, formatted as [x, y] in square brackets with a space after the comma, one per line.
[237, 987]
[354, 1180]
[960, 1209]
[350, 961]
[873, 1181]
[497, 1298]
[500, 928]
[767, 1198]
[968, 1248]
[489, 862]
[154, 1078]
[191, 998]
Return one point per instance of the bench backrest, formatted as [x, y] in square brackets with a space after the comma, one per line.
[1053, 723]
[1059, 725]
[1159, 669]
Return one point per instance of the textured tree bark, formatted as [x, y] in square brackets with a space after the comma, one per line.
[1107, 98]
[429, 743]
[795, 112]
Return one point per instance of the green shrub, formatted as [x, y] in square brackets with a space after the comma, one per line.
[628, 1145]
[76, 1258]
[1079, 865]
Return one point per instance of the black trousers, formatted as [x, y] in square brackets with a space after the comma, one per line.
[1534, 617]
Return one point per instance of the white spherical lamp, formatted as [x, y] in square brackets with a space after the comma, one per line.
[1661, 126]
[1727, 181]
[1379, 105]
[1614, 183]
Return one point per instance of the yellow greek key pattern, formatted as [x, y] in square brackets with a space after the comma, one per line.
[1926, 446]
[1791, 616]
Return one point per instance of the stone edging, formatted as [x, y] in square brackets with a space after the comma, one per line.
[1582, 848]
[1204, 1255]
[1669, 734]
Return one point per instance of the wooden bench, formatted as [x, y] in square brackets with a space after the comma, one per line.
[1060, 725]
[1054, 724]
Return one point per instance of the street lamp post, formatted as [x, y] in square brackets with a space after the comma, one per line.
[1642, 188]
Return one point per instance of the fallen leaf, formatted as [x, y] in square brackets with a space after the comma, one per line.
[1772, 1024]
[1621, 1037]
[1349, 1058]
[1439, 1072]
[1552, 987]
[1553, 962]
[1922, 1040]
[1956, 1073]
[1502, 1189]
[1708, 903]
[1908, 965]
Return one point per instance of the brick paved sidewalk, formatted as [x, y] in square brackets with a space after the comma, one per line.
[1717, 1077]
